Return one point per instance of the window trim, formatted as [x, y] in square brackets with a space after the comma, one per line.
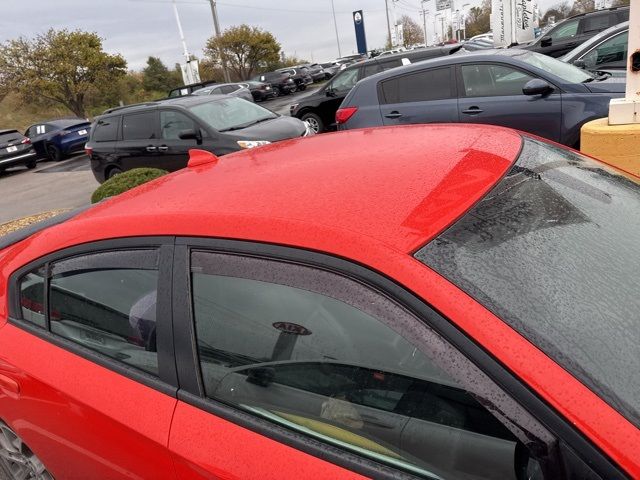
[382, 99]
[166, 381]
[192, 391]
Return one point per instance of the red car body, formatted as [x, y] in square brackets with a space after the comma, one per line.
[372, 197]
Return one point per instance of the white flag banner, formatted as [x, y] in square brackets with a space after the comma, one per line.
[524, 21]
[501, 23]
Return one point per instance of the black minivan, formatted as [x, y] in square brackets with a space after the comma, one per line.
[160, 134]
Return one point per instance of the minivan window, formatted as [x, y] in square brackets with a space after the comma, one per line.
[172, 123]
[596, 23]
[139, 126]
[231, 113]
[425, 85]
[539, 253]
[106, 130]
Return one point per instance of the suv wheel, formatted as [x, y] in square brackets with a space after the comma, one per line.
[314, 121]
[31, 164]
[112, 172]
[17, 460]
[276, 92]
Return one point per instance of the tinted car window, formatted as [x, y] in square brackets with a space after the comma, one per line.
[567, 29]
[32, 297]
[553, 251]
[172, 123]
[609, 51]
[421, 86]
[333, 369]
[109, 310]
[344, 81]
[106, 130]
[596, 23]
[139, 126]
[492, 80]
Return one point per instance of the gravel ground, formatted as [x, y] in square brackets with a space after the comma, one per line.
[23, 222]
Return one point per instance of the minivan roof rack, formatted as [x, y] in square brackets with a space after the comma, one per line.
[143, 104]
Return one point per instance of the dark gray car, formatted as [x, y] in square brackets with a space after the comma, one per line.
[160, 134]
[509, 87]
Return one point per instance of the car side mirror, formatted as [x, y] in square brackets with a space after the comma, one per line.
[191, 134]
[546, 42]
[537, 86]
[579, 63]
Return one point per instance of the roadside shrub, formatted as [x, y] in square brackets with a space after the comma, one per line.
[126, 181]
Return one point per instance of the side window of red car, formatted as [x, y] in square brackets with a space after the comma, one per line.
[105, 302]
[330, 358]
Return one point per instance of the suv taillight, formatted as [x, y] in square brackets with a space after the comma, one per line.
[26, 141]
[344, 114]
[88, 150]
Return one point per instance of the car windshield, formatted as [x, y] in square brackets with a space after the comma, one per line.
[595, 40]
[568, 73]
[231, 113]
[553, 251]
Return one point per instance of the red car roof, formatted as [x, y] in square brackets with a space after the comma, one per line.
[399, 186]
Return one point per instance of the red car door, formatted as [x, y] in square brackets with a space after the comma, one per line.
[84, 386]
[292, 372]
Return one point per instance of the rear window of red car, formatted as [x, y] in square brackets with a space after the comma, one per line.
[553, 250]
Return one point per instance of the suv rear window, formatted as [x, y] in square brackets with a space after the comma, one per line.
[10, 136]
[553, 251]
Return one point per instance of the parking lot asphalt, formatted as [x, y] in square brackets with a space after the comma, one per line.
[70, 183]
[50, 186]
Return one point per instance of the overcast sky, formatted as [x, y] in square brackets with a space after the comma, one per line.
[140, 28]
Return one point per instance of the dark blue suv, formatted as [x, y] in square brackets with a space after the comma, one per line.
[57, 138]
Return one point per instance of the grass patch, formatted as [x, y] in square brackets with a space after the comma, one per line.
[126, 181]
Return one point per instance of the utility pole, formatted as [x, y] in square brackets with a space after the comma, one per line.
[424, 14]
[335, 24]
[216, 26]
[386, 10]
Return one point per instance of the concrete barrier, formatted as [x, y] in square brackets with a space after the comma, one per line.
[618, 145]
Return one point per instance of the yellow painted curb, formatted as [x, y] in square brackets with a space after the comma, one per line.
[617, 145]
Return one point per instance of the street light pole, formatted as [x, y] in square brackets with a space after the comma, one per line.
[216, 26]
[187, 56]
[386, 10]
[335, 24]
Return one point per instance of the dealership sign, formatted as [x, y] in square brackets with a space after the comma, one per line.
[512, 22]
[443, 4]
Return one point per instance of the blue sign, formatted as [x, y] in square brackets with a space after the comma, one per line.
[358, 23]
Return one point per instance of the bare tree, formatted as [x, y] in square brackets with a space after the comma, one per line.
[411, 31]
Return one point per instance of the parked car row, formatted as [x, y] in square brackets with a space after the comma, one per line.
[53, 140]
[319, 109]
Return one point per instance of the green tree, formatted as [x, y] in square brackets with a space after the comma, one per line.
[412, 33]
[478, 21]
[157, 77]
[558, 12]
[245, 50]
[66, 67]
